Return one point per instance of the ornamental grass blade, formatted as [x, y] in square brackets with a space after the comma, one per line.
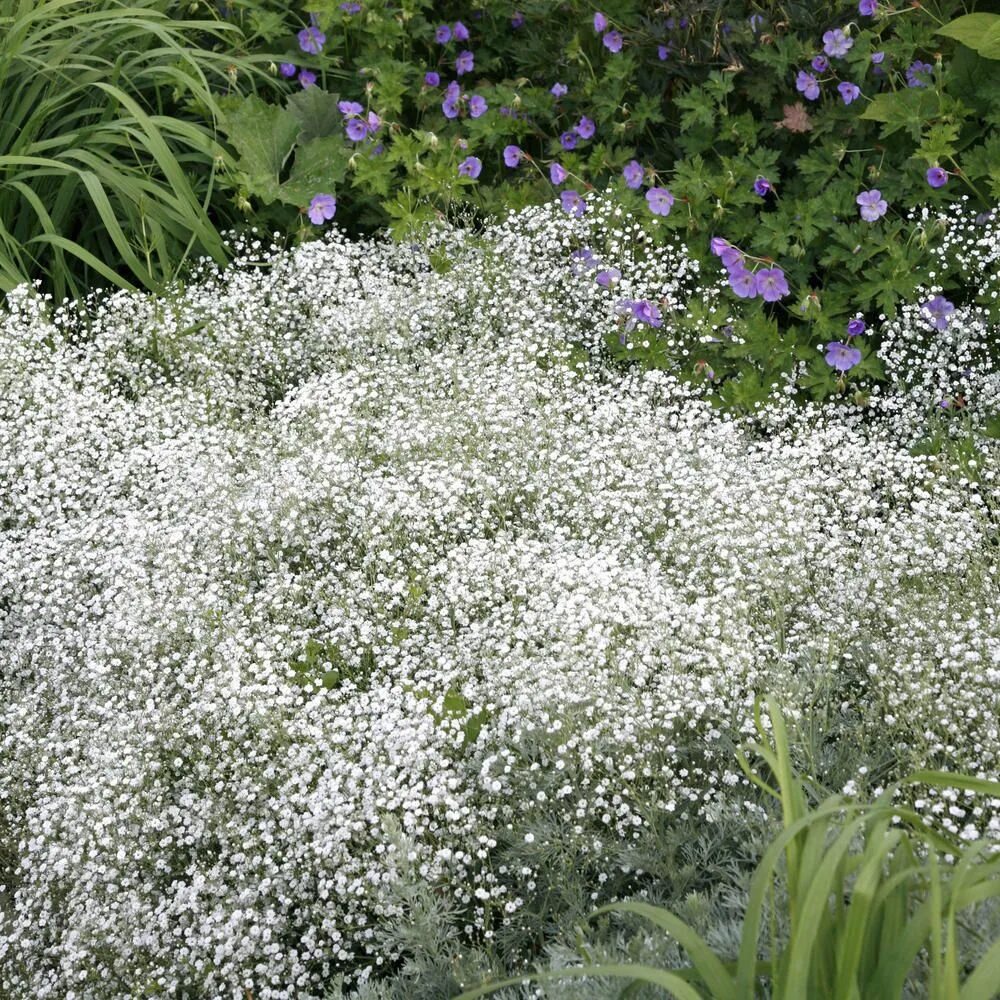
[707, 964]
[984, 983]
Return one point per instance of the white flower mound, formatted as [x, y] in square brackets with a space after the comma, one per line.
[332, 570]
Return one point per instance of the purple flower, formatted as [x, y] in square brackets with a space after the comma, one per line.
[356, 129]
[351, 8]
[867, 8]
[805, 83]
[662, 52]
[613, 41]
[609, 277]
[646, 312]
[374, 122]
[936, 177]
[820, 63]
[559, 90]
[918, 74]
[443, 34]
[855, 327]
[634, 174]
[453, 91]
[873, 205]
[311, 40]
[732, 259]
[583, 259]
[762, 187]
[511, 155]
[718, 244]
[939, 309]
[307, 78]
[660, 200]
[287, 70]
[568, 140]
[348, 108]
[584, 128]
[771, 284]
[743, 283]
[842, 356]
[471, 166]
[600, 22]
[557, 173]
[756, 21]
[322, 207]
[459, 32]
[464, 63]
[449, 107]
[849, 91]
[432, 79]
[477, 106]
[837, 42]
[573, 204]
[517, 20]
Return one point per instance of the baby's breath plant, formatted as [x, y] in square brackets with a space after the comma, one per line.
[350, 599]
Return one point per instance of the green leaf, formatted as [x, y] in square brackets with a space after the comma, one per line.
[320, 165]
[264, 136]
[909, 108]
[980, 32]
[316, 112]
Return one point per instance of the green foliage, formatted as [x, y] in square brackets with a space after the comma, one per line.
[869, 888]
[109, 160]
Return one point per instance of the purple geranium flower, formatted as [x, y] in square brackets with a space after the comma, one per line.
[613, 41]
[842, 356]
[432, 79]
[806, 84]
[568, 140]
[443, 34]
[743, 283]
[511, 155]
[559, 90]
[849, 91]
[873, 205]
[465, 63]
[311, 40]
[732, 259]
[820, 64]
[771, 284]
[662, 52]
[583, 259]
[449, 107]
[937, 177]
[939, 309]
[459, 32]
[633, 174]
[600, 22]
[287, 70]
[477, 106]
[660, 200]
[756, 22]
[322, 207]
[918, 74]
[557, 173]
[351, 8]
[471, 166]
[356, 129]
[609, 277]
[584, 128]
[855, 327]
[837, 43]
[348, 108]
[573, 204]
[517, 20]
[646, 312]
[867, 8]
[762, 187]
[718, 244]
[307, 78]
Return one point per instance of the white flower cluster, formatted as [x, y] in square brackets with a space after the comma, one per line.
[339, 567]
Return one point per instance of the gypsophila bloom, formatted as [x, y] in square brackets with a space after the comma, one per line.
[807, 85]
[872, 205]
[841, 356]
[321, 208]
[937, 177]
[837, 43]
[939, 309]
[633, 173]
[471, 166]
[848, 91]
[660, 200]
[612, 41]
[311, 40]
